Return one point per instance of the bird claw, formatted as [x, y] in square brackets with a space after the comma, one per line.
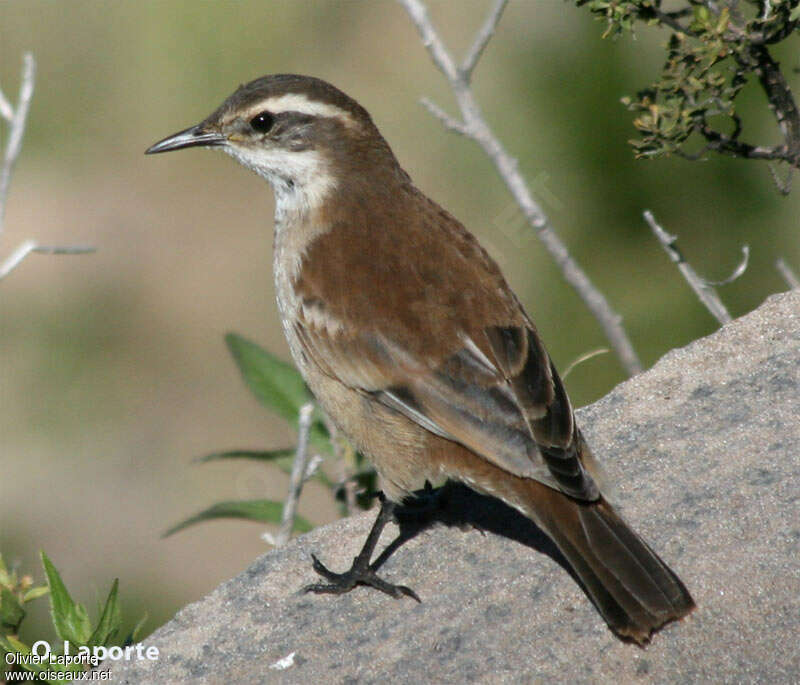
[358, 574]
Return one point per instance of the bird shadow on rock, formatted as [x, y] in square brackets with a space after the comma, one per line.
[458, 506]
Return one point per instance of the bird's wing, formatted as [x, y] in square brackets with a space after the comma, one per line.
[445, 342]
[500, 397]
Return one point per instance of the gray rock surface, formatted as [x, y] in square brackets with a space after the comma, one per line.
[703, 449]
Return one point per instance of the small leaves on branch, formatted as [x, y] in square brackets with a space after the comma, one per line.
[71, 623]
[715, 49]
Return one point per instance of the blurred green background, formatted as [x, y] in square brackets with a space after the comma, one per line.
[113, 371]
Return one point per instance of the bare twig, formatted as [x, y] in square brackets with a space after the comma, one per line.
[784, 185]
[6, 110]
[475, 127]
[16, 120]
[781, 101]
[347, 477]
[482, 39]
[29, 246]
[789, 276]
[737, 272]
[728, 145]
[703, 289]
[312, 466]
[670, 19]
[345, 472]
[297, 477]
[447, 121]
[586, 356]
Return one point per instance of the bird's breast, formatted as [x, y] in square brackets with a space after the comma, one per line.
[291, 241]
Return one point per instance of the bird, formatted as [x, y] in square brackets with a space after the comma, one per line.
[413, 343]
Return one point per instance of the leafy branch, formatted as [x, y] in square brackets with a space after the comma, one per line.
[71, 623]
[279, 387]
[714, 50]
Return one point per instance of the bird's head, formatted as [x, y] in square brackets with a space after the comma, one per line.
[300, 133]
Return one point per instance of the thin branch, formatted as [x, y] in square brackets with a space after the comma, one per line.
[780, 99]
[297, 477]
[586, 356]
[6, 110]
[430, 39]
[31, 246]
[783, 32]
[726, 145]
[17, 128]
[670, 19]
[702, 288]
[345, 475]
[755, 57]
[16, 119]
[475, 127]
[482, 39]
[312, 466]
[447, 121]
[787, 273]
[737, 272]
[347, 484]
[784, 185]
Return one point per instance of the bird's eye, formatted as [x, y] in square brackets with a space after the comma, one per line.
[262, 122]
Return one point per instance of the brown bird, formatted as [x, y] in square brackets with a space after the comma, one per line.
[414, 344]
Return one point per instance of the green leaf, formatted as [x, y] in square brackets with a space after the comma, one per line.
[5, 579]
[69, 619]
[724, 19]
[12, 644]
[265, 455]
[35, 593]
[276, 384]
[283, 459]
[263, 510]
[110, 619]
[134, 634]
[11, 611]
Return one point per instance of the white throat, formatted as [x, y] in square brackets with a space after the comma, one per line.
[301, 180]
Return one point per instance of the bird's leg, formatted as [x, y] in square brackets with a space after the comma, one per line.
[361, 572]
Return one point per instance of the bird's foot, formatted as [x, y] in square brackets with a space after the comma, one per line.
[360, 573]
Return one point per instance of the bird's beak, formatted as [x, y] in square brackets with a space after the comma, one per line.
[196, 136]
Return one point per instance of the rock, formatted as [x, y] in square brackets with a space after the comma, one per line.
[704, 452]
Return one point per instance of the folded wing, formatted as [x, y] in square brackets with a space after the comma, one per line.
[498, 395]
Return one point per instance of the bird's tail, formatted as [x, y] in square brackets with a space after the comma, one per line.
[634, 590]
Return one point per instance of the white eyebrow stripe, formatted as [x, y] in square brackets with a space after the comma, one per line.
[296, 102]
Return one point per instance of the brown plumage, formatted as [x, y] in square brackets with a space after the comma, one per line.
[408, 334]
